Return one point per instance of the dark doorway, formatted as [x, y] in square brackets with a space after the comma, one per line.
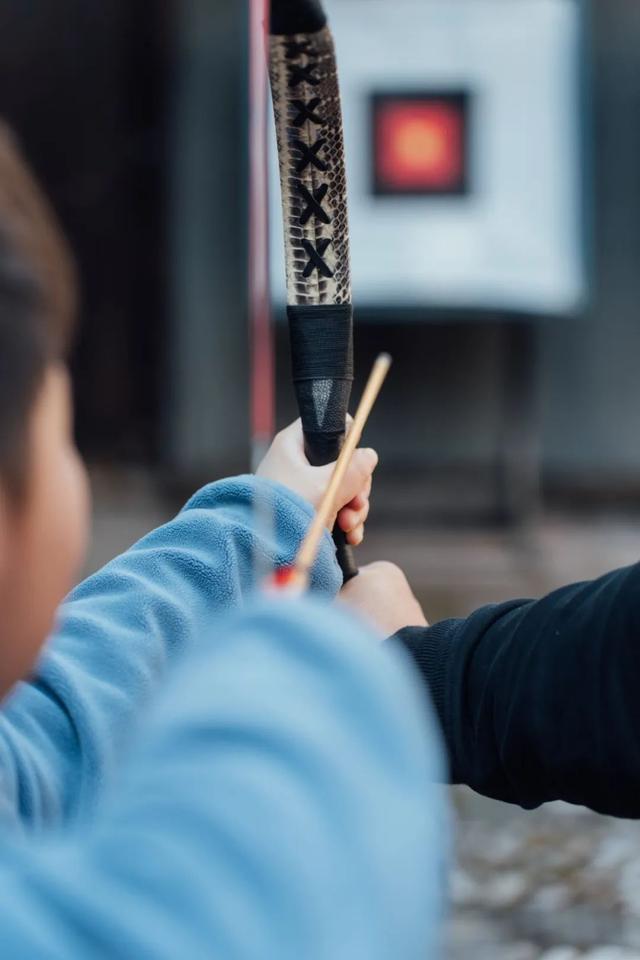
[85, 86]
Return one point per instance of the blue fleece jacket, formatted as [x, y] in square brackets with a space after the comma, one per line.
[196, 772]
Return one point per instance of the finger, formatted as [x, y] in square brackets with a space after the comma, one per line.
[361, 498]
[293, 437]
[358, 502]
[355, 537]
[362, 465]
[366, 493]
[349, 519]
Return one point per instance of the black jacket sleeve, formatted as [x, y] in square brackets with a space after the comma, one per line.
[540, 700]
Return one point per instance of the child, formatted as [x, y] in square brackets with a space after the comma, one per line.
[188, 775]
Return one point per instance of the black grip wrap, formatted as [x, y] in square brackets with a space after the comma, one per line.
[289, 17]
[322, 342]
[322, 363]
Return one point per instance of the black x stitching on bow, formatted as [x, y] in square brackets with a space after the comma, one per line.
[307, 111]
[309, 154]
[314, 206]
[299, 74]
[316, 261]
[295, 49]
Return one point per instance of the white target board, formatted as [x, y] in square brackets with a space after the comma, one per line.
[463, 139]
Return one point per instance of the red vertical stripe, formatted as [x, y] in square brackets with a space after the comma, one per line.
[262, 351]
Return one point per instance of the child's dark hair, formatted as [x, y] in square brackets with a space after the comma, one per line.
[37, 304]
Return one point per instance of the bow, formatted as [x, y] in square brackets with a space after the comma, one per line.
[308, 115]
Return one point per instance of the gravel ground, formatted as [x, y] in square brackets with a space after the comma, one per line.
[557, 883]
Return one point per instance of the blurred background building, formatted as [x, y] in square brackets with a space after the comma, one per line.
[494, 158]
[135, 116]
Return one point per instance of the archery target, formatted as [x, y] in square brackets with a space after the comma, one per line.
[463, 139]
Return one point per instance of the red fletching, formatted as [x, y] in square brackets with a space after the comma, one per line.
[284, 577]
[286, 580]
[281, 579]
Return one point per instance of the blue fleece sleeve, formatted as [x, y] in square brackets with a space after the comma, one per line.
[279, 804]
[61, 735]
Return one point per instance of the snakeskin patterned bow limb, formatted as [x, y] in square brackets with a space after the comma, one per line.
[308, 114]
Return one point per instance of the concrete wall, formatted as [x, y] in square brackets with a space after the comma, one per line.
[591, 383]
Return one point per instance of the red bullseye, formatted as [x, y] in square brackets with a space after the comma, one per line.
[420, 144]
